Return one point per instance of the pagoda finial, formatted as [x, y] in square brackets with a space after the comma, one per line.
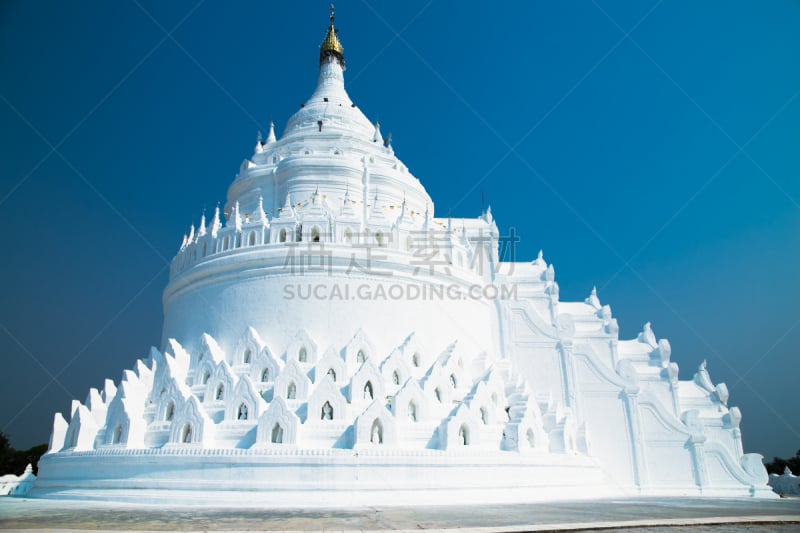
[259, 146]
[331, 49]
[271, 134]
[215, 223]
[201, 231]
[261, 216]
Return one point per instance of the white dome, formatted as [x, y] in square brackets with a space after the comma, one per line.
[330, 104]
[330, 145]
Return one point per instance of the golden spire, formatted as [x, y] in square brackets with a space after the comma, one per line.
[331, 47]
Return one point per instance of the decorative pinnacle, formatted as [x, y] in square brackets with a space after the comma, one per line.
[331, 47]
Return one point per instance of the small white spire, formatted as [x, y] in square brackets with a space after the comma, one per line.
[593, 300]
[185, 242]
[376, 213]
[428, 221]
[377, 137]
[201, 231]
[259, 148]
[347, 205]
[237, 217]
[540, 259]
[271, 134]
[216, 224]
[261, 216]
[191, 234]
[287, 210]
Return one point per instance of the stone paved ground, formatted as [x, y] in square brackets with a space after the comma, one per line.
[711, 528]
[782, 516]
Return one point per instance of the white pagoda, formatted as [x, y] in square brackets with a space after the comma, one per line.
[332, 342]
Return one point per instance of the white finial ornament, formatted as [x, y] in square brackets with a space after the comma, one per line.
[216, 224]
[648, 336]
[201, 231]
[287, 210]
[540, 259]
[703, 379]
[262, 216]
[593, 300]
[259, 147]
[237, 217]
[376, 213]
[271, 134]
[377, 137]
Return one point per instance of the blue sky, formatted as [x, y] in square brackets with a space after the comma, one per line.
[650, 148]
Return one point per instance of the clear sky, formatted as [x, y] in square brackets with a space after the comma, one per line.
[648, 147]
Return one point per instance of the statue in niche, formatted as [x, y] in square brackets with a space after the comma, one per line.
[463, 436]
[368, 391]
[327, 411]
[377, 433]
[277, 434]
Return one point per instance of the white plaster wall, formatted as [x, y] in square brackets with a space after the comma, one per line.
[225, 304]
